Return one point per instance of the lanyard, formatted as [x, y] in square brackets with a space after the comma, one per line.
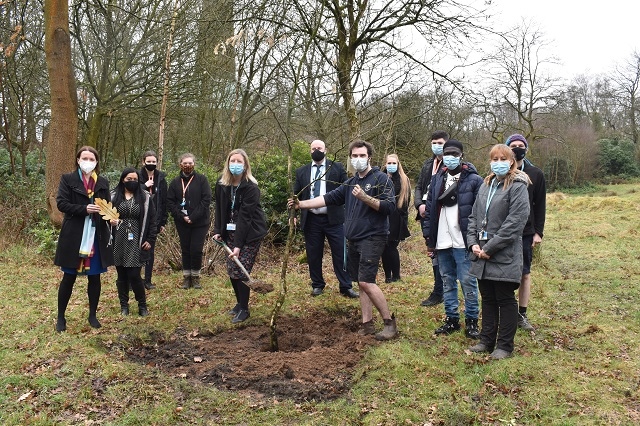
[184, 188]
[234, 189]
[492, 192]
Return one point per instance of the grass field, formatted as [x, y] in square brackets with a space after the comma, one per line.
[580, 367]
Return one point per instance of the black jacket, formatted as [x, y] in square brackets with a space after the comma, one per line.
[537, 201]
[399, 218]
[335, 176]
[422, 187]
[247, 214]
[197, 198]
[158, 192]
[72, 200]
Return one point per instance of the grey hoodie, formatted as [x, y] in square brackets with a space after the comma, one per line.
[506, 217]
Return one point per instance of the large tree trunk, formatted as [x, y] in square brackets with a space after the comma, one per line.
[63, 129]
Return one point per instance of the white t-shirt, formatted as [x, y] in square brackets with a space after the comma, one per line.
[449, 233]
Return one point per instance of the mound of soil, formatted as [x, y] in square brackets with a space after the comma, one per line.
[315, 361]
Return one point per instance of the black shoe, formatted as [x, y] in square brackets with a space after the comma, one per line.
[451, 325]
[471, 328]
[351, 293]
[317, 291]
[523, 323]
[233, 312]
[186, 282]
[143, 311]
[242, 315]
[93, 322]
[61, 325]
[124, 311]
[148, 285]
[388, 280]
[432, 300]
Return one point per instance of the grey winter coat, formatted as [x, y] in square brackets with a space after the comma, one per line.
[506, 218]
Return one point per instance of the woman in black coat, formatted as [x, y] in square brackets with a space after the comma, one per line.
[188, 200]
[133, 237]
[239, 221]
[398, 220]
[84, 238]
[154, 181]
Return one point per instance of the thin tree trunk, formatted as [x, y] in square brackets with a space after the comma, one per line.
[165, 90]
[63, 128]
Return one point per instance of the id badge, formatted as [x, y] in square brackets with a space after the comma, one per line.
[482, 236]
[130, 236]
[184, 212]
[231, 226]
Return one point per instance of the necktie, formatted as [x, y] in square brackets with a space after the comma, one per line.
[316, 183]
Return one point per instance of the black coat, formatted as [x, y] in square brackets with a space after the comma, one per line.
[72, 200]
[247, 213]
[335, 176]
[424, 180]
[399, 218]
[197, 197]
[159, 193]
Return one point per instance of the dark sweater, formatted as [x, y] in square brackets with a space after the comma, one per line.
[197, 199]
[361, 221]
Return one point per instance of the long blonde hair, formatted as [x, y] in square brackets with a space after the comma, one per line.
[513, 174]
[405, 184]
[227, 177]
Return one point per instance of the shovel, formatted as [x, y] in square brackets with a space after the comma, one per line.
[255, 285]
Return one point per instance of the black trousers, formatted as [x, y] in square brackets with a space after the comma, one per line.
[131, 276]
[316, 229]
[191, 245]
[499, 313]
[391, 260]
[148, 267]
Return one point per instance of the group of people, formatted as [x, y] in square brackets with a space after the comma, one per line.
[479, 232]
[88, 245]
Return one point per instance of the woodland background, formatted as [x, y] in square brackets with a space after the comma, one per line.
[207, 76]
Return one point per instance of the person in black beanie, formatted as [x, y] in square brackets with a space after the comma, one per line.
[189, 200]
[239, 221]
[133, 236]
[154, 181]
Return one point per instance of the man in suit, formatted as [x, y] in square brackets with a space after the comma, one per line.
[314, 180]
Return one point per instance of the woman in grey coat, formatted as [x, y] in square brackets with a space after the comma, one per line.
[494, 237]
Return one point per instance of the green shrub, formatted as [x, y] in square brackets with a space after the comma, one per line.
[618, 158]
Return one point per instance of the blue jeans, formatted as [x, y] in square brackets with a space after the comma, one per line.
[454, 266]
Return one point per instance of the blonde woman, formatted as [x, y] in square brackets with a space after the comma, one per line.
[239, 221]
[398, 220]
[494, 237]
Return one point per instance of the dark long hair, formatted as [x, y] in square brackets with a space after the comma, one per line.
[118, 196]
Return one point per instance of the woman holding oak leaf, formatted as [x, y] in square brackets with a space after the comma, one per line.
[82, 247]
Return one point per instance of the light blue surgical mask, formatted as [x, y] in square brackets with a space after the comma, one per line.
[451, 161]
[500, 168]
[392, 168]
[236, 168]
[437, 148]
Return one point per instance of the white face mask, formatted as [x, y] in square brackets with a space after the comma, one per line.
[360, 164]
[87, 166]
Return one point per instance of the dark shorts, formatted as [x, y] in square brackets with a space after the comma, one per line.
[527, 253]
[364, 257]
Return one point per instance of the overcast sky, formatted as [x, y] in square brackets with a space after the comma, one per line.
[588, 36]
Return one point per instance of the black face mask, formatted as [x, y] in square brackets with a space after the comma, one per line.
[150, 167]
[131, 185]
[519, 152]
[317, 155]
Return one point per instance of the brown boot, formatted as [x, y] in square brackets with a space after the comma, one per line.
[367, 328]
[195, 282]
[390, 330]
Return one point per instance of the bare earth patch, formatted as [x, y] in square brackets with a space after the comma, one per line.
[316, 358]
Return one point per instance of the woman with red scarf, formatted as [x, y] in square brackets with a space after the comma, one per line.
[84, 238]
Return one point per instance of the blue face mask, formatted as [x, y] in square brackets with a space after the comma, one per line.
[236, 168]
[451, 161]
[392, 168]
[500, 168]
[437, 149]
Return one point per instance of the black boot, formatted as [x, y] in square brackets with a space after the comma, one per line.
[471, 328]
[93, 291]
[450, 326]
[142, 309]
[123, 296]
